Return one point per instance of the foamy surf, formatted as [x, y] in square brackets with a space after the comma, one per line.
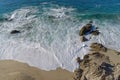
[50, 39]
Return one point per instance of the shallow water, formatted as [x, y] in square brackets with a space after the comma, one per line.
[49, 35]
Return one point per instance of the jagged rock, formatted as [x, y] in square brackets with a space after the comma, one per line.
[98, 55]
[89, 29]
[15, 32]
[83, 39]
[85, 62]
[96, 32]
[97, 66]
[78, 60]
[85, 29]
[86, 57]
[98, 47]
[78, 74]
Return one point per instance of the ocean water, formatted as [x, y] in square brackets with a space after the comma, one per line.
[49, 35]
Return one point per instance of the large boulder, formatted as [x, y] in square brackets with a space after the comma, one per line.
[89, 29]
[85, 29]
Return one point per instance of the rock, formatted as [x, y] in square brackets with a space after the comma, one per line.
[96, 32]
[90, 22]
[83, 39]
[85, 29]
[78, 74]
[97, 28]
[89, 29]
[95, 66]
[98, 47]
[78, 60]
[15, 32]
[82, 31]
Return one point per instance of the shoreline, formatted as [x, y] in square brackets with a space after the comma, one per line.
[18, 70]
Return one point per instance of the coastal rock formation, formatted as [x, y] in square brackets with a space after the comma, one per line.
[98, 47]
[100, 64]
[96, 66]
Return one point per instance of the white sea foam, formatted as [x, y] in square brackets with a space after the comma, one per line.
[47, 43]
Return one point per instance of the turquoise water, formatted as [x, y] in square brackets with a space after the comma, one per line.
[86, 9]
[83, 6]
[49, 29]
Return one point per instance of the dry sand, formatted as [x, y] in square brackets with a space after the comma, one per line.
[13, 70]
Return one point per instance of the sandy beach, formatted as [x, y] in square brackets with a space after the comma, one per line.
[13, 70]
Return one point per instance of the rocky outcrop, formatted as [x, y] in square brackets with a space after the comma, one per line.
[98, 47]
[88, 29]
[97, 66]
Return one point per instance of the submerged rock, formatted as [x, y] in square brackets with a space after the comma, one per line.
[3, 19]
[15, 32]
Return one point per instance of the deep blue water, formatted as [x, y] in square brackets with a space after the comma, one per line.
[83, 6]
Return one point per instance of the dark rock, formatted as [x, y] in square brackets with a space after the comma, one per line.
[91, 22]
[85, 29]
[98, 55]
[83, 39]
[96, 32]
[78, 60]
[89, 29]
[3, 19]
[78, 74]
[86, 57]
[15, 32]
[82, 31]
[97, 28]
